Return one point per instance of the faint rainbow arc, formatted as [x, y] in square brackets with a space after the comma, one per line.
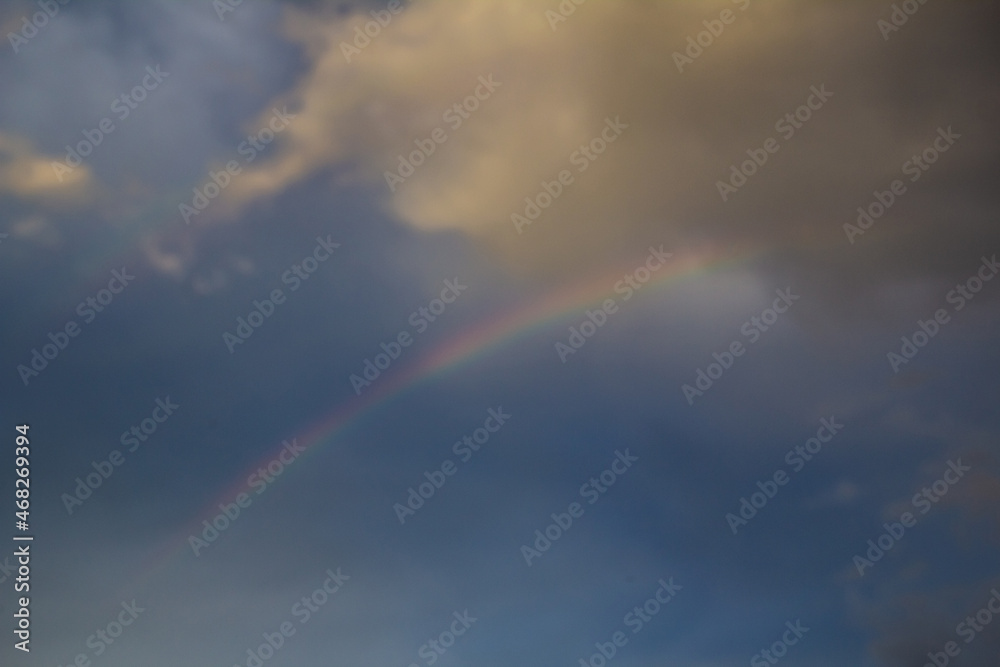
[473, 343]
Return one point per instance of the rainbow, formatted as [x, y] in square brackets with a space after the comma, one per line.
[472, 344]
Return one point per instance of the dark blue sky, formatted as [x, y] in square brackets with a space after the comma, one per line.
[780, 438]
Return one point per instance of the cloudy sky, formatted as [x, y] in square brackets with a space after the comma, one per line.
[507, 332]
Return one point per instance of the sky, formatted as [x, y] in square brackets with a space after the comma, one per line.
[508, 332]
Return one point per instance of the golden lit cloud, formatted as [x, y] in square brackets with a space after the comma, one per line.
[368, 102]
[26, 174]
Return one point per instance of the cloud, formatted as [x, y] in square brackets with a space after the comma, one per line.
[28, 175]
[658, 181]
